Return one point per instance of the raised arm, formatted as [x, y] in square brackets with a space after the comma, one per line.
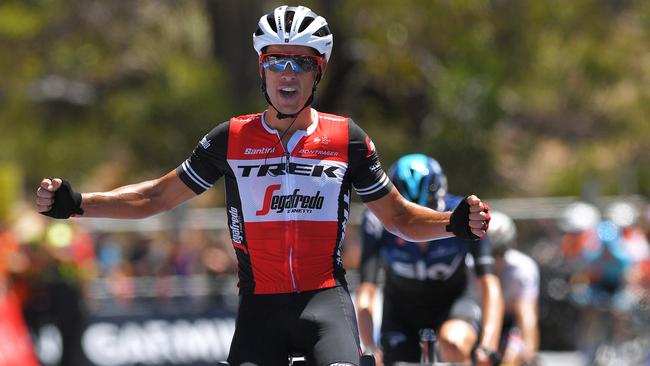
[417, 223]
[128, 202]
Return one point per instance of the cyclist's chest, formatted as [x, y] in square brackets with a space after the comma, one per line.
[300, 181]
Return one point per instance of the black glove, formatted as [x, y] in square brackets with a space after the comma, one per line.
[459, 221]
[66, 203]
[495, 357]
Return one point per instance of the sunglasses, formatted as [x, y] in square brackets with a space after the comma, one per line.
[278, 62]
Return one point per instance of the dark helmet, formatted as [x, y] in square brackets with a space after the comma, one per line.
[419, 179]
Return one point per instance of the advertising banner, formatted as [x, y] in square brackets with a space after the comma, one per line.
[182, 337]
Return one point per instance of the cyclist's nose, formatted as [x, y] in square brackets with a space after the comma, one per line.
[287, 74]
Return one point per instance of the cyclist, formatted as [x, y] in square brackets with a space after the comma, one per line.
[578, 223]
[626, 215]
[426, 282]
[288, 175]
[598, 287]
[519, 277]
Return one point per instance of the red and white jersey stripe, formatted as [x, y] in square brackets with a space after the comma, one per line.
[287, 208]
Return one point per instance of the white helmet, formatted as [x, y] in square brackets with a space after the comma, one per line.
[578, 217]
[622, 214]
[293, 25]
[502, 231]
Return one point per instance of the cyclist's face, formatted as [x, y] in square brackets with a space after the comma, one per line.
[288, 89]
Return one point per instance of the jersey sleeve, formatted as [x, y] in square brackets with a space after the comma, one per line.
[208, 160]
[527, 281]
[483, 259]
[371, 233]
[368, 178]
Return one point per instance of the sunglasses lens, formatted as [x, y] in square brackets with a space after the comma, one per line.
[296, 63]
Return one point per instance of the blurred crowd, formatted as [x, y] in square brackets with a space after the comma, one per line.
[594, 262]
[597, 280]
[49, 270]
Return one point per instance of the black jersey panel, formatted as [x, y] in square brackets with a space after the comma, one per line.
[208, 160]
[368, 178]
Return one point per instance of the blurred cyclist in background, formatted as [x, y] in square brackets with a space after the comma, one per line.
[289, 173]
[604, 269]
[519, 277]
[625, 216]
[426, 284]
[578, 222]
[599, 288]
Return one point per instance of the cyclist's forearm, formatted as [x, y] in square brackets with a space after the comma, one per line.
[527, 317]
[138, 200]
[408, 220]
[490, 332]
[418, 223]
[364, 304]
[366, 329]
[493, 308]
[132, 201]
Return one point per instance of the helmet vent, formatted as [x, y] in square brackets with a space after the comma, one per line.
[288, 19]
[259, 31]
[323, 31]
[271, 21]
[305, 23]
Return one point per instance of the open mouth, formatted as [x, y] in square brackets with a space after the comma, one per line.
[288, 92]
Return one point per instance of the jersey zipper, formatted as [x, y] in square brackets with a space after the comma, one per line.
[293, 279]
[292, 224]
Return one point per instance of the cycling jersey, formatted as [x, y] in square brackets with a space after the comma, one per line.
[287, 208]
[519, 278]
